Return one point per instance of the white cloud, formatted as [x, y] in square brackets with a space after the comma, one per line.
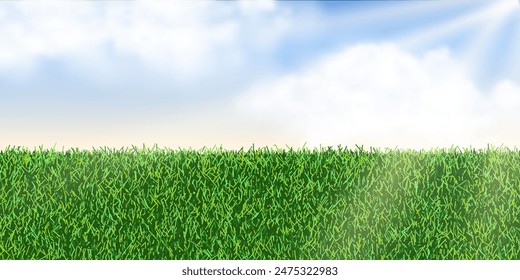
[37, 30]
[380, 95]
[187, 39]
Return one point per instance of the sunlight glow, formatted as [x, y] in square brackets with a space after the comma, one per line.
[499, 15]
[514, 66]
[499, 9]
[370, 15]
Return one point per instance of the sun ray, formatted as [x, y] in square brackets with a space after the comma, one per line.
[514, 66]
[425, 36]
[374, 14]
[475, 55]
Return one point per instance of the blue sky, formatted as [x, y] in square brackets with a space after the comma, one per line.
[408, 74]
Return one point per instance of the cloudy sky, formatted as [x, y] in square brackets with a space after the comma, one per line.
[407, 74]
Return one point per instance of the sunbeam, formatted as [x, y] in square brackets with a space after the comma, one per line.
[425, 36]
[474, 54]
[357, 17]
[472, 35]
[514, 66]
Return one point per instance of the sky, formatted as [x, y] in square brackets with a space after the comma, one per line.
[189, 74]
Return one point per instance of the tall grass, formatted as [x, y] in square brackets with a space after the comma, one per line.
[329, 203]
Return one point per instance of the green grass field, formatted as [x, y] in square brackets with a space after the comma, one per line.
[329, 203]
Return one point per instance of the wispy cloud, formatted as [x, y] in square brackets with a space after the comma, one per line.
[187, 40]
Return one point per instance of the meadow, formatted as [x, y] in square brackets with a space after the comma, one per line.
[262, 204]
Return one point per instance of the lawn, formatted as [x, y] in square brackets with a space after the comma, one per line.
[259, 203]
